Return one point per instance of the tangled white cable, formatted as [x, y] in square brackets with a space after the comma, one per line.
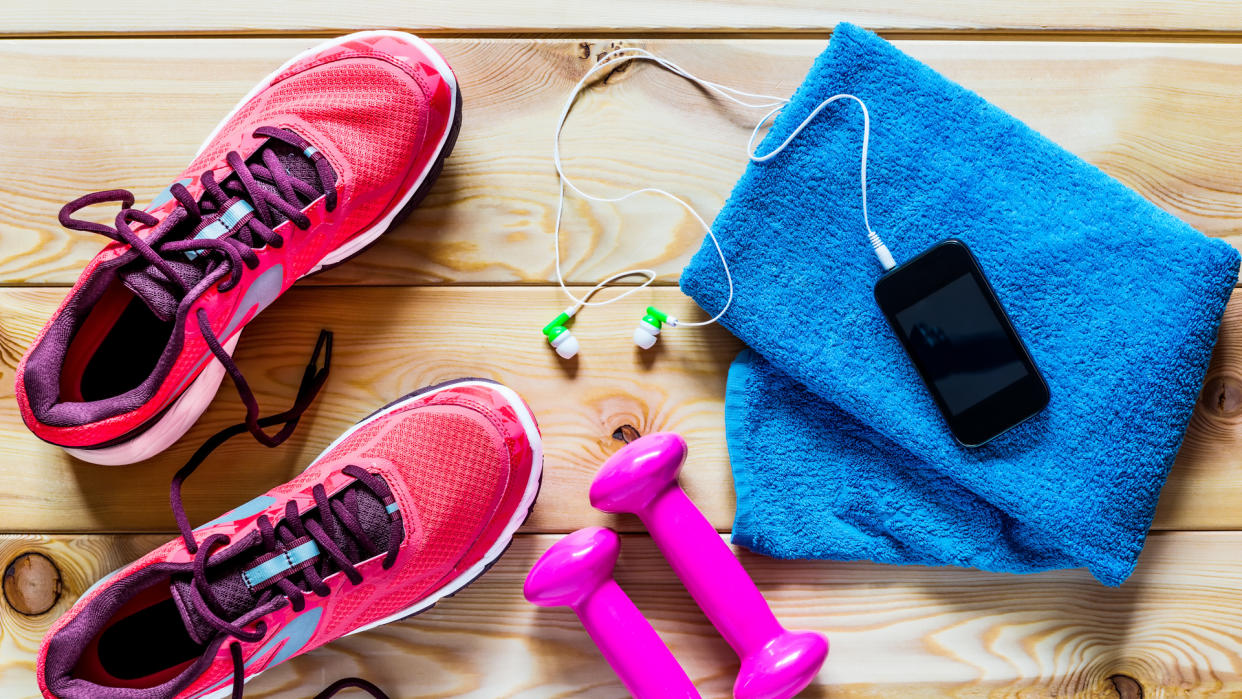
[645, 336]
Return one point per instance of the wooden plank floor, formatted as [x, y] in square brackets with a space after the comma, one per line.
[1161, 117]
[1150, 91]
[1188, 17]
[896, 632]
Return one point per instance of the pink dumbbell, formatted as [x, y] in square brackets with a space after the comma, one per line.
[577, 572]
[642, 478]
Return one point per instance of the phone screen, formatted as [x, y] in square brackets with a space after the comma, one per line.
[961, 344]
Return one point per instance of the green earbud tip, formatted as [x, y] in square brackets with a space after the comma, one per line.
[557, 327]
[657, 315]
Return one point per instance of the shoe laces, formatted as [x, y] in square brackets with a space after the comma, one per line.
[270, 190]
[335, 521]
[253, 231]
[227, 255]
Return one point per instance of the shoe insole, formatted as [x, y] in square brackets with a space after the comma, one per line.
[127, 354]
[148, 642]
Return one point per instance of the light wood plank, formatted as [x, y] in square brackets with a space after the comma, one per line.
[83, 115]
[233, 16]
[389, 342]
[1173, 629]
[1212, 448]
[392, 341]
[80, 560]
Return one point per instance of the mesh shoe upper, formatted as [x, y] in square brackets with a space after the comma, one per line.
[371, 112]
[462, 464]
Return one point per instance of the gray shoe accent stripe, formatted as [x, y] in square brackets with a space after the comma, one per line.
[259, 295]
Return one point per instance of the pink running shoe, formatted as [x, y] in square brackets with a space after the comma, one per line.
[320, 159]
[407, 507]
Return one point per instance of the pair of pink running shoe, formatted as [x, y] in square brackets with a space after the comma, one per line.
[407, 507]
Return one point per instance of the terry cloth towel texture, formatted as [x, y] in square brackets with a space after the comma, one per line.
[837, 448]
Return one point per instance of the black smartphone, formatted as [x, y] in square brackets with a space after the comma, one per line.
[960, 339]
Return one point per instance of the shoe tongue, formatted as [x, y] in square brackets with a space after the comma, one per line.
[235, 598]
[231, 592]
[149, 283]
[295, 163]
[161, 294]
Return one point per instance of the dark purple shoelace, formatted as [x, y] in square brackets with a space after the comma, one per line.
[273, 193]
[334, 517]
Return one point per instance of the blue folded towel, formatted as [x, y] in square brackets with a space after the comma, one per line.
[838, 450]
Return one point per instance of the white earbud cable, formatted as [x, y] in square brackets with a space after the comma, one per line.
[611, 61]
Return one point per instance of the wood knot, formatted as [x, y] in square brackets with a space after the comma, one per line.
[606, 56]
[626, 433]
[584, 49]
[31, 584]
[1222, 396]
[1126, 687]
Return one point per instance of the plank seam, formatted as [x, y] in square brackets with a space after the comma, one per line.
[662, 283]
[521, 532]
[659, 284]
[1224, 36]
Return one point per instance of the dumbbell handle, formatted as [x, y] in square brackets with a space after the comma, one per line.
[629, 644]
[710, 571]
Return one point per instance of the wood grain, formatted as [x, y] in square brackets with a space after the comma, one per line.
[1132, 86]
[393, 340]
[232, 16]
[32, 584]
[1171, 630]
[1213, 443]
[81, 560]
[84, 115]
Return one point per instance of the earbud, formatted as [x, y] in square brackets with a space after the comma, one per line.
[648, 330]
[645, 335]
[563, 341]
